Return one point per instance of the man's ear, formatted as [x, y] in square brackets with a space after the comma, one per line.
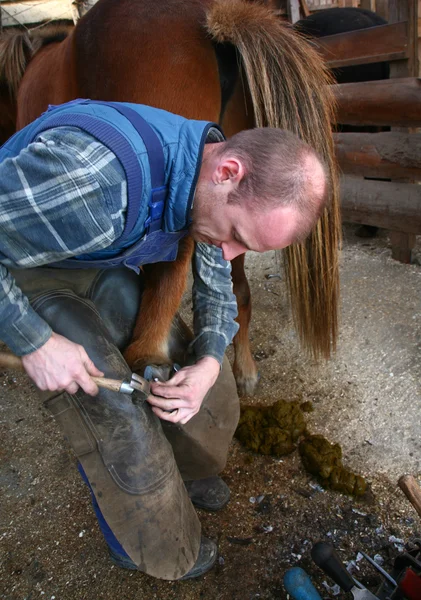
[229, 170]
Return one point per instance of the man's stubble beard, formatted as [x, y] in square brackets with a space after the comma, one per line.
[202, 210]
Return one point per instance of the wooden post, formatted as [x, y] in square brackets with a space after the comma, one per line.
[304, 8]
[368, 5]
[382, 9]
[293, 8]
[405, 10]
[402, 245]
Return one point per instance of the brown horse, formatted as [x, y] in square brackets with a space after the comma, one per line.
[229, 61]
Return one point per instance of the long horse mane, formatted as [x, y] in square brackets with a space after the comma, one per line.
[18, 47]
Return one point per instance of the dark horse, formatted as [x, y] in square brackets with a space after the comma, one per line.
[229, 61]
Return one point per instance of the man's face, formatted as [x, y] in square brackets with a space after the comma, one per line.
[235, 228]
[238, 227]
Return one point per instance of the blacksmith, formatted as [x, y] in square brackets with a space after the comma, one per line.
[86, 191]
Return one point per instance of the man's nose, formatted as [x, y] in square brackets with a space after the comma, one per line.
[231, 250]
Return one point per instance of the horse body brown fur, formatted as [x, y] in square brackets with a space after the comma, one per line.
[163, 54]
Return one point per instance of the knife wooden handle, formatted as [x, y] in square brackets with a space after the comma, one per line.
[109, 384]
[10, 361]
[412, 491]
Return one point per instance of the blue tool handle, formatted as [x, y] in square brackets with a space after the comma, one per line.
[298, 585]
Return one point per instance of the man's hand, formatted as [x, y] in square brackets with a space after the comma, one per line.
[184, 392]
[61, 365]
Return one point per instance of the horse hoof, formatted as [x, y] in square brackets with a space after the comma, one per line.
[160, 372]
[246, 385]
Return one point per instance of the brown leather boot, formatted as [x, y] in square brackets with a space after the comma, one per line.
[210, 494]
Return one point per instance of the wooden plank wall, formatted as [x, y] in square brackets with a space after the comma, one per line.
[394, 205]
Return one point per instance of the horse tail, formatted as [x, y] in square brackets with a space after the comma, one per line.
[16, 50]
[288, 84]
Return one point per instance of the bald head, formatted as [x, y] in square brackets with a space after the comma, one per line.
[279, 170]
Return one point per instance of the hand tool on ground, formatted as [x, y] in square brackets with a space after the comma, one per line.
[379, 568]
[138, 383]
[412, 491]
[298, 584]
[326, 558]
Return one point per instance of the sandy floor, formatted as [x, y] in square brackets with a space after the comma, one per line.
[367, 399]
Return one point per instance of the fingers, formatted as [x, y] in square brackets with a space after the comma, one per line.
[91, 368]
[87, 385]
[180, 415]
[172, 417]
[82, 377]
[170, 391]
[72, 388]
[164, 404]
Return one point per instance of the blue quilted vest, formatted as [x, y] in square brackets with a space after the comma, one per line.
[161, 155]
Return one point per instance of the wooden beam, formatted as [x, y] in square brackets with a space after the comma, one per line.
[387, 155]
[375, 44]
[393, 102]
[394, 206]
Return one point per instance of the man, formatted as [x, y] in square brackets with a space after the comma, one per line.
[89, 186]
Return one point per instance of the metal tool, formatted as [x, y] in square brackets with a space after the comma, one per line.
[326, 558]
[379, 568]
[298, 584]
[124, 386]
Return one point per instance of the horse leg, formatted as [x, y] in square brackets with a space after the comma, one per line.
[164, 287]
[245, 370]
[238, 116]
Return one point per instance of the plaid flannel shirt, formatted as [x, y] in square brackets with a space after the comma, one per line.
[64, 195]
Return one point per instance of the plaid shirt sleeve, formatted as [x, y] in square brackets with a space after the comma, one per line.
[63, 195]
[214, 303]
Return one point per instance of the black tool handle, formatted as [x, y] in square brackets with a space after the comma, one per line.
[326, 558]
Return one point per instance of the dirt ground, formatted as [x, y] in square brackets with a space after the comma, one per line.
[367, 399]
